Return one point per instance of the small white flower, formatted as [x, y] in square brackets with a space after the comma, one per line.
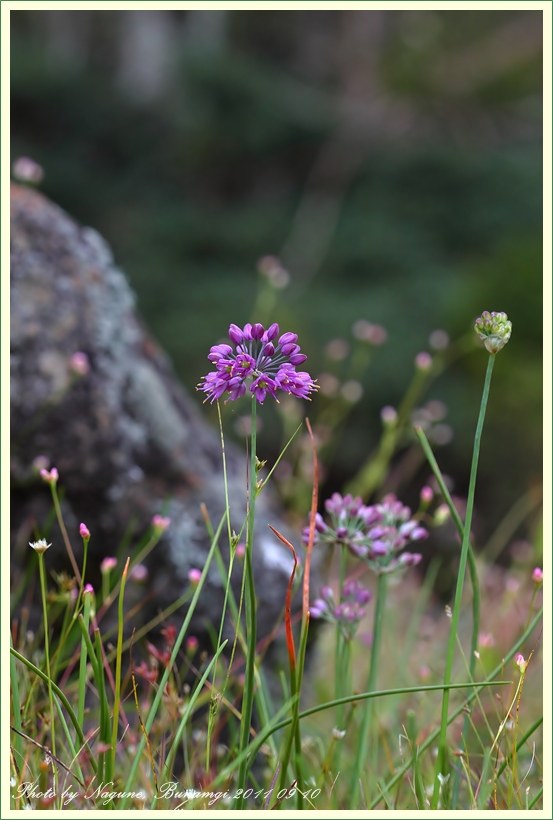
[40, 546]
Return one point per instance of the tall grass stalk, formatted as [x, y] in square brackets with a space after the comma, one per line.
[363, 743]
[48, 672]
[165, 677]
[442, 763]
[117, 698]
[251, 609]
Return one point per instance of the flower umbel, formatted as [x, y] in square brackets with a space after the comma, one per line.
[494, 329]
[348, 613]
[376, 533]
[259, 362]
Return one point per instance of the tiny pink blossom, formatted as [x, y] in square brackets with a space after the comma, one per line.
[427, 494]
[520, 662]
[192, 644]
[537, 576]
[139, 573]
[83, 531]
[240, 550]
[107, 565]
[160, 523]
[79, 363]
[41, 463]
[194, 576]
[423, 361]
[388, 414]
[50, 477]
[27, 170]
[88, 590]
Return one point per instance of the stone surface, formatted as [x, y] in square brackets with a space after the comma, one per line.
[126, 439]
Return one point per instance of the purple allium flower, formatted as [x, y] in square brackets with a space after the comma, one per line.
[376, 534]
[262, 361]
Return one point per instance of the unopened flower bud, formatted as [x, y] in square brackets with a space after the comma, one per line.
[441, 515]
[338, 734]
[537, 576]
[27, 170]
[79, 363]
[520, 662]
[50, 477]
[191, 645]
[388, 415]
[494, 329]
[427, 494]
[423, 361]
[139, 573]
[83, 532]
[160, 523]
[194, 576]
[107, 565]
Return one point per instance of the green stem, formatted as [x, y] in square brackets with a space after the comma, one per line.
[59, 694]
[251, 614]
[47, 653]
[473, 569]
[371, 685]
[442, 763]
[117, 700]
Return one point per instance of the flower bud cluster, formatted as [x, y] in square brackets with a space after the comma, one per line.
[348, 612]
[494, 329]
[376, 534]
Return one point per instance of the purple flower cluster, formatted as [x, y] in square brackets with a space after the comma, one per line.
[376, 533]
[348, 613]
[259, 360]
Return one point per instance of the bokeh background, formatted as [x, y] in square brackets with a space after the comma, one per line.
[392, 162]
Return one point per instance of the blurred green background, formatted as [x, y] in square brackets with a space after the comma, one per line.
[392, 160]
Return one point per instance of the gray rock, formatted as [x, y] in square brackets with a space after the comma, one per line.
[126, 439]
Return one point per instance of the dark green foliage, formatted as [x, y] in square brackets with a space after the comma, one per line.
[191, 190]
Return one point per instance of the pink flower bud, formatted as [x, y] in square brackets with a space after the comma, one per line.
[537, 576]
[79, 363]
[240, 551]
[50, 477]
[107, 565]
[160, 523]
[27, 170]
[427, 494]
[139, 573]
[83, 531]
[194, 576]
[191, 645]
[423, 361]
[88, 590]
